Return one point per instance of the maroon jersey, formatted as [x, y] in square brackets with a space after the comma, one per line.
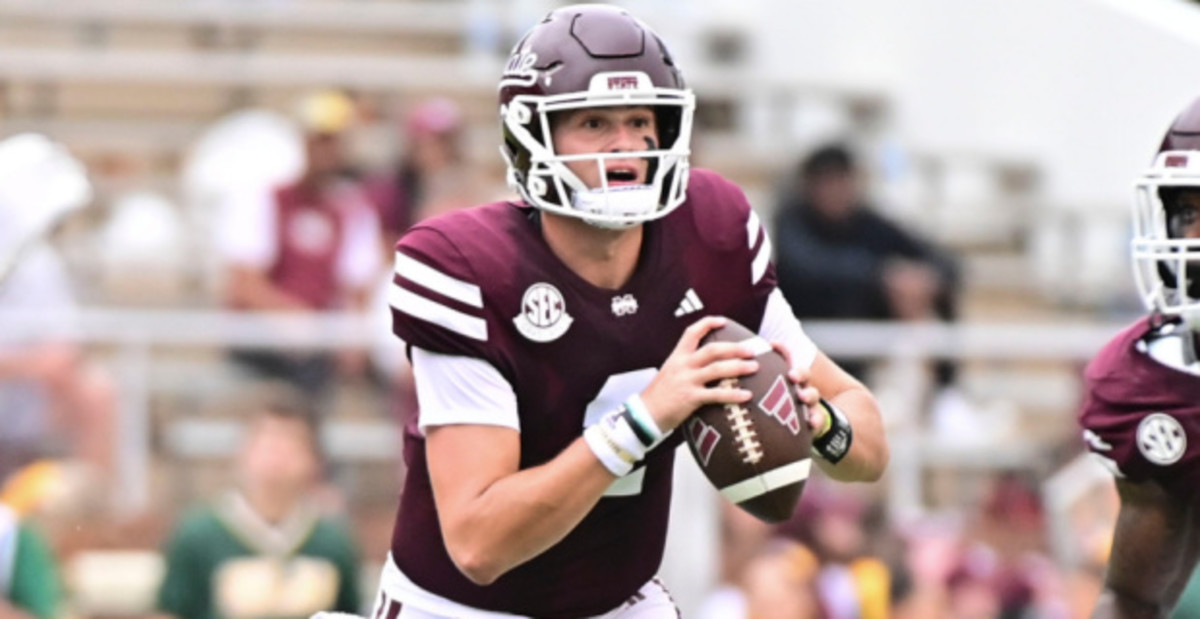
[310, 236]
[571, 352]
[1140, 414]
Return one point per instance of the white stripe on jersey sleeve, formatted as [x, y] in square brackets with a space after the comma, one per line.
[452, 389]
[420, 273]
[779, 324]
[763, 258]
[752, 229]
[439, 314]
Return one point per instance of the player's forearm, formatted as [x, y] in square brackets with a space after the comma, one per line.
[868, 455]
[522, 515]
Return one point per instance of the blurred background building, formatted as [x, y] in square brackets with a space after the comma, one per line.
[1007, 133]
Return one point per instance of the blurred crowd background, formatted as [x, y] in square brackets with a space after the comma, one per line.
[200, 398]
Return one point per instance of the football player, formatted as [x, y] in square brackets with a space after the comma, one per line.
[1140, 414]
[555, 341]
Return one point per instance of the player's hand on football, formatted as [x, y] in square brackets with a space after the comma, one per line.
[681, 385]
[816, 415]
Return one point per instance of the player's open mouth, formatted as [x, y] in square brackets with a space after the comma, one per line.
[621, 175]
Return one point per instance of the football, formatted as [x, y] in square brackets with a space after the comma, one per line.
[757, 454]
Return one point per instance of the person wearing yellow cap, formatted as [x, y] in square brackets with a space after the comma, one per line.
[311, 245]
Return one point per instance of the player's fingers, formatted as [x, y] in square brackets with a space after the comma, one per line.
[800, 376]
[719, 351]
[690, 340]
[782, 350]
[809, 395]
[816, 418]
[727, 392]
[727, 368]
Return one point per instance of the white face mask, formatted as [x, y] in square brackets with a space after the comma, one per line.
[1162, 262]
[618, 208]
[549, 184]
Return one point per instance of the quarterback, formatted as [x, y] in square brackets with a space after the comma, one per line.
[555, 341]
[1141, 415]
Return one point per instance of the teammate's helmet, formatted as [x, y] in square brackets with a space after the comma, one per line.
[593, 56]
[1166, 264]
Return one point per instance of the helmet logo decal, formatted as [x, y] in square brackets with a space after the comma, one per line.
[543, 316]
[519, 71]
[1161, 439]
[622, 82]
[1176, 161]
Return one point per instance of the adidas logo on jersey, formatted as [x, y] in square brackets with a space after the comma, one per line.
[690, 303]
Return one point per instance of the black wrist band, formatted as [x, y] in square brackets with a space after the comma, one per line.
[644, 438]
[834, 444]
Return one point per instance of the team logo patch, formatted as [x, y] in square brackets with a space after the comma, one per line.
[543, 316]
[624, 305]
[1161, 439]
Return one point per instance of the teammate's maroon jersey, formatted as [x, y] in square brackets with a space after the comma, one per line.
[1141, 415]
[309, 235]
[483, 283]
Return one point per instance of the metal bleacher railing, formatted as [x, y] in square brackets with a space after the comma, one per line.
[134, 335]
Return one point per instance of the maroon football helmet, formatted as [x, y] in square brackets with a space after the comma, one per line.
[594, 56]
[1166, 263]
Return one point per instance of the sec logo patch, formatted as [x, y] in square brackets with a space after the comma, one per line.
[543, 316]
[1161, 439]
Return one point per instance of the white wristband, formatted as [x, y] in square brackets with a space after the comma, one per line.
[616, 426]
[616, 460]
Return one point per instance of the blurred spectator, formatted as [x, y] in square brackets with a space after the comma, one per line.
[837, 258]
[51, 401]
[265, 549]
[29, 581]
[778, 582]
[431, 177]
[309, 246]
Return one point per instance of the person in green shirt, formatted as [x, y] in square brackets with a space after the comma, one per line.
[265, 549]
[29, 585]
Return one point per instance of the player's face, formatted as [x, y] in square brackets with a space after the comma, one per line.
[1184, 214]
[607, 130]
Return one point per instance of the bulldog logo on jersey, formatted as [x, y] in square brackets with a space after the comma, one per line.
[1161, 439]
[624, 305]
[543, 316]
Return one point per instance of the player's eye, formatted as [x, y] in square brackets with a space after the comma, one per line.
[1183, 220]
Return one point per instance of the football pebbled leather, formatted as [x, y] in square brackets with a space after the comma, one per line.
[758, 453]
